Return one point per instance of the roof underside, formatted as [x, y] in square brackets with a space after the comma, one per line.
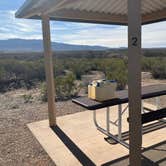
[94, 11]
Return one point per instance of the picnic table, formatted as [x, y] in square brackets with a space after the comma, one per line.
[149, 91]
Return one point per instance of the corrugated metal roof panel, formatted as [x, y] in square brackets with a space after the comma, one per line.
[84, 9]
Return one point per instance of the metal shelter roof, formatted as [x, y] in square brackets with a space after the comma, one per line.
[94, 11]
[106, 12]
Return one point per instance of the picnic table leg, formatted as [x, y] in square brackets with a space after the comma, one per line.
[158, 107]
[104, 131]
[108, 119]
[158, 102]
[142, 107]
[119, 121]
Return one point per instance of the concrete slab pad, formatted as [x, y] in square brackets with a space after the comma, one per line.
[76, 141]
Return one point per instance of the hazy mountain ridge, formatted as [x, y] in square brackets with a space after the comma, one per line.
[37, 45]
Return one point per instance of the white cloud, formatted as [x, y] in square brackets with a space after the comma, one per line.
[116, 37]
[154, 35]
[10, 27]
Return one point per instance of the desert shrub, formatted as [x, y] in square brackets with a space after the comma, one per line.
[65, 88]
[114, 69]
[117, 71]
[17, 74]
[155, 53]
[25, 70]
[2, 73]
[157, 66]
[80, 66]
[147, 63]
[59, 66]
[159, 70]
[28, 98]
[43, 92]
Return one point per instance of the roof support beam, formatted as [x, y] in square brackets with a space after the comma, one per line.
[85, 16]
[49, 70]
[134, 81]
[159, 15]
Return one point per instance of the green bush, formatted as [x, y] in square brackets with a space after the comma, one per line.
[18, 73]
[28, 98]
[157, 66]
[65, 88]
[159, 70]
[115, 69]
[80, 66]
[147, 63]
[43, 92]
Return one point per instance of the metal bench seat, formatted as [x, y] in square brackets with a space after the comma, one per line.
[152, 116]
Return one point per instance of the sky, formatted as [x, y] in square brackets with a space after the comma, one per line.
[154, 35]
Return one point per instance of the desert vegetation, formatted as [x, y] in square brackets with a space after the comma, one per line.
[20, 71]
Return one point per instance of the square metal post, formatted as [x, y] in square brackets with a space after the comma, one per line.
[134, 81]
[49, 70]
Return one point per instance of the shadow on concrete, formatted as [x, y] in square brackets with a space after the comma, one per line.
[146, 129]
[76, 151]
[154, 155]
[151, 156]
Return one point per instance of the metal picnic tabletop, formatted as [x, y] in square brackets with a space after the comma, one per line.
[148, 91]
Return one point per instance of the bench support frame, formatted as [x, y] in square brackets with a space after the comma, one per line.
[107, 130]
[118, 122]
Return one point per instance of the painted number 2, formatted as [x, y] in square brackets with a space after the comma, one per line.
[134, 41]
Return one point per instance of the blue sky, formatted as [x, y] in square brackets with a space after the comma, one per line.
[154, 35]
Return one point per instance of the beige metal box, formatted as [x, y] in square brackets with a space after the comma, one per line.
[102, 90]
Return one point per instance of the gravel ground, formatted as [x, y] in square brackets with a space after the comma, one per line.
[18, 147]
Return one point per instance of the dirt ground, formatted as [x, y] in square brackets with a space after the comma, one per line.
[18, 147]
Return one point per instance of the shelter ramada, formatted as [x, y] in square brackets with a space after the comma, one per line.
[132, 13]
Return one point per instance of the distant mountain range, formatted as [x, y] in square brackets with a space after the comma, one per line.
[21, 45]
